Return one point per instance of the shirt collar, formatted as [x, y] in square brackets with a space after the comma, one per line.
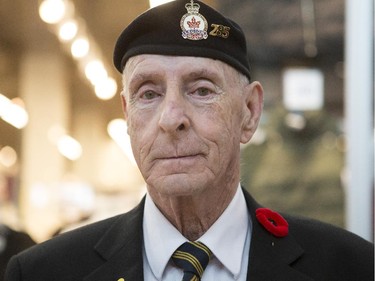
[226, 237]
[160, 237]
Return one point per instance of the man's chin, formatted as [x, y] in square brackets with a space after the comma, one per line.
[179, 185]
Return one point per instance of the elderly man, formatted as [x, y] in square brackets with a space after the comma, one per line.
[189, 104]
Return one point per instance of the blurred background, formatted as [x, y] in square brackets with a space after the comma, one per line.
[64, 153]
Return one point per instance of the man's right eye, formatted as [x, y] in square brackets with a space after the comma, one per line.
[149, 95]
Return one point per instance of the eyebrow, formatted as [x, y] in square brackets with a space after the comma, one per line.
[147, 76]
[142, 77]
[202, 73]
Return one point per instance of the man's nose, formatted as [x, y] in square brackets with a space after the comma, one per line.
[174, 115]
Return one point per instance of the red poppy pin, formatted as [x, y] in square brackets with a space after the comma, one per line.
[272, 221]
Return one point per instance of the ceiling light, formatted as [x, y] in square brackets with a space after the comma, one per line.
[68, 30]
[106, 88]
[52, 11]
[95, 71]
[69, 147]
[13, 113]
[80, 47]
[8, 156]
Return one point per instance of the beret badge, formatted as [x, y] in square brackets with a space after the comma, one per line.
[183, 28]
[193, 24]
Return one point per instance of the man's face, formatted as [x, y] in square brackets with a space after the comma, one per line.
[186, 118]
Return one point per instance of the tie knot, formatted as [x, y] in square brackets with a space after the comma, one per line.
[192, 258]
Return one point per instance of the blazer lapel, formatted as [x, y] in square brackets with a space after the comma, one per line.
[121, 248]
[271, 257]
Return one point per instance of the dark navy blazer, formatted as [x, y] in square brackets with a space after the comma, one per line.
[112, 249]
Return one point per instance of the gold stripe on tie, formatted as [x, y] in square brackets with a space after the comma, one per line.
[203, 247]
[192, 258]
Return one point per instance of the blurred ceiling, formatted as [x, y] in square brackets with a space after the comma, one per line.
[279, 32]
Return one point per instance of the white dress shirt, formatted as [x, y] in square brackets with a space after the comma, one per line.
[228, 239]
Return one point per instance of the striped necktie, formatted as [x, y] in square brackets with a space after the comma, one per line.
[192, 258]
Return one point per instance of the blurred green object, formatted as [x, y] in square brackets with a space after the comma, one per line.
[298, 171]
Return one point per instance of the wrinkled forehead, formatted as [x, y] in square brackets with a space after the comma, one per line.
[147, 66]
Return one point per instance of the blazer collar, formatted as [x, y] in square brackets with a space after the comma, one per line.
[271, 257]
[121, 248]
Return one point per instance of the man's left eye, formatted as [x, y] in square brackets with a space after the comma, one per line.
[202, 92]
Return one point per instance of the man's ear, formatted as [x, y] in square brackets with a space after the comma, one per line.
[123, 103]
[252, 110]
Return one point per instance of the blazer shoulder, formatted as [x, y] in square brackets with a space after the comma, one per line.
[73, 240]
[325, 232]
[76, 253]
[334, 247]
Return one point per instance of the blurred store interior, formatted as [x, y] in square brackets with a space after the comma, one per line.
[64, 153]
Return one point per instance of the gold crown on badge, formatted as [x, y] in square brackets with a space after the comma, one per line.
[193, 24]
[192, 8]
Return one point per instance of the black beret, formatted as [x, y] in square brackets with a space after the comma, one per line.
[183, 28]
